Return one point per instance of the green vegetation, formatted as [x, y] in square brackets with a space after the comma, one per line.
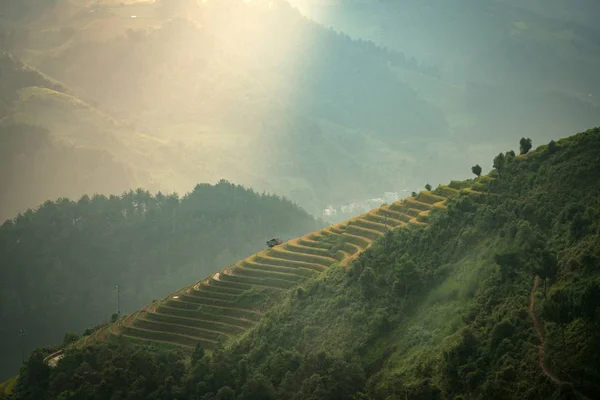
[428, 312]
[61, 261]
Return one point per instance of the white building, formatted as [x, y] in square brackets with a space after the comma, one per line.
[329, 212]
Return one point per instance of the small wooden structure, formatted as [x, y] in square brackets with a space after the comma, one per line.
[274, 242]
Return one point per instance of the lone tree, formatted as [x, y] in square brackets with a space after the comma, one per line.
[476, 169]
[428, 187]
[499, 162]
[525, 145]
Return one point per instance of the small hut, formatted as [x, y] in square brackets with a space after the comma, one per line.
[274, 242]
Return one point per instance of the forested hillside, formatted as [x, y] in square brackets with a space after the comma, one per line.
[62, 261]
[437, 312]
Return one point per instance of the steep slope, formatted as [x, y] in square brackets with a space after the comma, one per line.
[233, 300]
[442, 312]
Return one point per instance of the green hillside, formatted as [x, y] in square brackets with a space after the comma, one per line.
[494, 295]
[234, 299]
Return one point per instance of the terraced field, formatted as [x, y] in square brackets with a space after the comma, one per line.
[234, 299]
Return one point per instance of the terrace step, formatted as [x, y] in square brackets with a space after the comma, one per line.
[391, 222]
[267, 283]
[209, 287]
[336, 230]
[141, 340]
[404, 209]
[429, 198]
[195, 323]
[411, 202]
[202, 316]
[359, 241]
[166, 337]
[212, 295]
[315, 243]
[304, 272]
[364, 232]
[202, 334]
[397, 215]
[374, 226]
[207, 301]
[289, 255]
[228, 284]
[280, 262]
[262, 274]
[298, 248]
[230, 311]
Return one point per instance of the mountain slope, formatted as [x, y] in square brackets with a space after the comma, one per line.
[441, 312]
[428, 312]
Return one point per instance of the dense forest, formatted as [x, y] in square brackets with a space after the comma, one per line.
[62, 261]
[437, 312]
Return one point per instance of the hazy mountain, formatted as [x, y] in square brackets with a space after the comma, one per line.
[227, 89]
[504, 66]
[184, 91]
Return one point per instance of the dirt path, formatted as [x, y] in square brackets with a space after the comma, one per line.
[540, 333]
